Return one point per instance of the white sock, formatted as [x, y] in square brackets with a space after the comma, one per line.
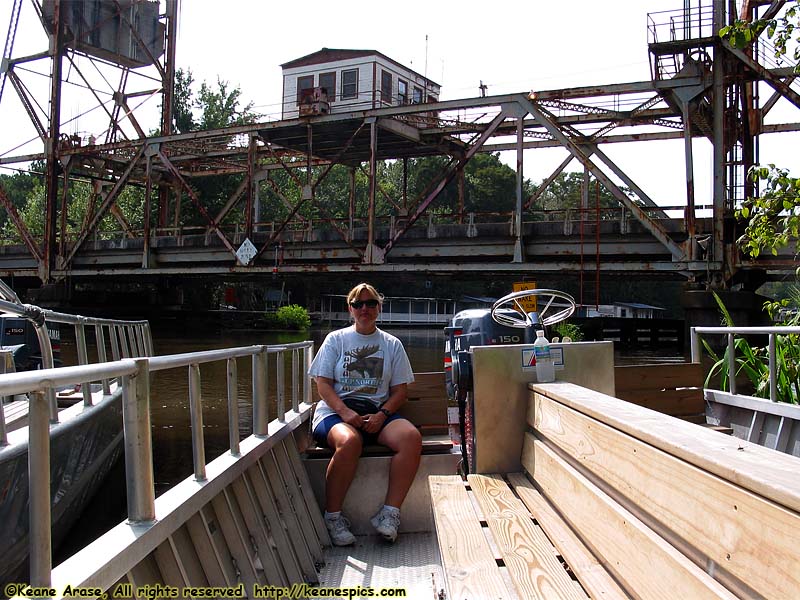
[332, 516]
[391, 509]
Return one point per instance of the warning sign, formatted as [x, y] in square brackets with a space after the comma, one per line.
[528, 302]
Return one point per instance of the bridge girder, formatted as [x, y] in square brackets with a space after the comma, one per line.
[305, 150]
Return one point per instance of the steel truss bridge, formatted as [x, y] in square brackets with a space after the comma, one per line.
[700, 87]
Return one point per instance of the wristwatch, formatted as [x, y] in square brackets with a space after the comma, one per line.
[386, 412]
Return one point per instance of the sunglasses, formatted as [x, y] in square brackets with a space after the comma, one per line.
[371, 303]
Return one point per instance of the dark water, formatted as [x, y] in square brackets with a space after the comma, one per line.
[170, 409]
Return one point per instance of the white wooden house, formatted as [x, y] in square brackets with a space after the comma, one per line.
[352, 80]
[627, 310]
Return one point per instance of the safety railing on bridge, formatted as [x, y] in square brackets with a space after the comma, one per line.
[134, 375]
[308, 230]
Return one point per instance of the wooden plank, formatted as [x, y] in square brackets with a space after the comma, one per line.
[467, 560]
[644, 563]
[427, 400]
[658, 376]
[527, 553]
[760, 470]
[669, 402]
[300, 477]
[187, 555]
[753, 538]
[273, 493]
[207, 552]
[255, 526]
[591, 574]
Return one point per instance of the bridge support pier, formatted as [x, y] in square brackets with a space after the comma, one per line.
[701, 310]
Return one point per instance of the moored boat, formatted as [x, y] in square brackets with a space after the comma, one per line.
[84, 426]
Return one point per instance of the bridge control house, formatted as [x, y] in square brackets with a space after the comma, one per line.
[336, 80]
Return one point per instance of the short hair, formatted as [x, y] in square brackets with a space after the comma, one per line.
[364, 287]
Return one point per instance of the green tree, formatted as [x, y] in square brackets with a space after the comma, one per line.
[566, 190]
[213, 106]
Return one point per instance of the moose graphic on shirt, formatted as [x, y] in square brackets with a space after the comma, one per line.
[366, 360]
[363, 368]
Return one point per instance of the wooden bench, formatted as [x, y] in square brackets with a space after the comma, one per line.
[615, 501]
[674, 389]
[426, 408]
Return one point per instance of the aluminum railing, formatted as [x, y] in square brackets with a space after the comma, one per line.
[127, 339]
[731, 333]
[134, 375]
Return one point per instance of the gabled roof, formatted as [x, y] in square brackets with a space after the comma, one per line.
[326, 55]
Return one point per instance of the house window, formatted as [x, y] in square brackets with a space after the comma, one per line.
[417, 97]
[327, 81]
[386, 87]
[350, 83]
[402, 92]
[432, 98]
[304, 83]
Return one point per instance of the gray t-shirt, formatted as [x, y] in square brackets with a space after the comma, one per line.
[361, 366]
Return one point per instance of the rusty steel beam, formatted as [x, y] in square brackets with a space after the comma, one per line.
[546, 183]
[380, 189]
[338, 156]
[652, 226]
[101, 211]
[23, 230]
[773, 80]
[447, 178]
[51, 144]
[232, 201]
[28, 106]
[196, 201]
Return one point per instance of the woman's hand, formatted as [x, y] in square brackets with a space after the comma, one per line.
[351, 417]
[374, 422]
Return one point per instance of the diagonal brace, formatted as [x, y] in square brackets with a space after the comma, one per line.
[203, 212]
[653, 227]
[448, 176]
[24, 232]
[107, 202]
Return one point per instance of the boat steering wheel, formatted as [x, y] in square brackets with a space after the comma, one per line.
[521, 319]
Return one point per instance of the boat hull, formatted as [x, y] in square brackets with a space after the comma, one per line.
[83, 447]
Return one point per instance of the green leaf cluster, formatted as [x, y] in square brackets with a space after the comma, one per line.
[571, 330]
[292, 316]
[773, 218]
[784, 32]
[753, 362]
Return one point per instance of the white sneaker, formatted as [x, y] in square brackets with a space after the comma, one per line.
[339, 530]
[386, 523]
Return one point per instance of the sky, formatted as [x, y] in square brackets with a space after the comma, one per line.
[510, 46]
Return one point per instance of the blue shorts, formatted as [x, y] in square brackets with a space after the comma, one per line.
[323, 428]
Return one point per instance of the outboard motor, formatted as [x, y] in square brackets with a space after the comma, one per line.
[505, 323]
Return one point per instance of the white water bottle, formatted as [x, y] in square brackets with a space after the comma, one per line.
[545, 369]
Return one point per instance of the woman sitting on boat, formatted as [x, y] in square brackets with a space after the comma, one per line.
[362, 374]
